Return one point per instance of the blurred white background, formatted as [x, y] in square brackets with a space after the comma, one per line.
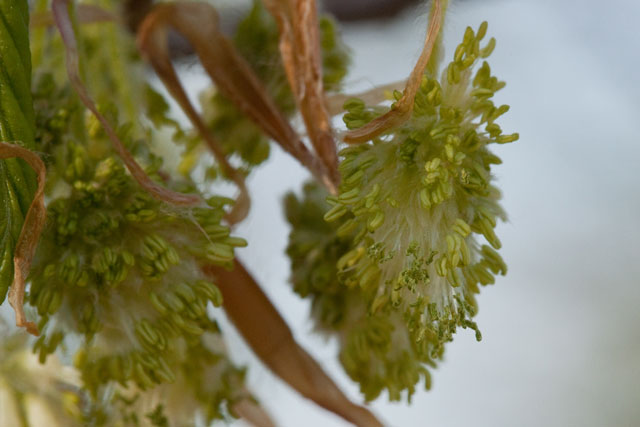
[561, 332]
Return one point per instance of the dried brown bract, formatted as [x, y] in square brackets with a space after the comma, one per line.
[29, 235]
[403, 108]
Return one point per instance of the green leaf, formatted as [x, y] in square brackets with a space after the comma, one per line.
[17, 125]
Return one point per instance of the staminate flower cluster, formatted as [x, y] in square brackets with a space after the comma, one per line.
[412, 233]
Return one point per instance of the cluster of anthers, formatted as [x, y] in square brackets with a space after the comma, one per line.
[396, 273]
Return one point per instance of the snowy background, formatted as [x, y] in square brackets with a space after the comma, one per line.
[561, 332]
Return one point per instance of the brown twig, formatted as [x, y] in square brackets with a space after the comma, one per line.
[271, 339]
[29, 235]
[403, 108]
[300, 51]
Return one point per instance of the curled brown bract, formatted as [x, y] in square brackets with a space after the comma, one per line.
[272, 341]
[65, 26]
[403, 108]
[29, 235]
[300, 51]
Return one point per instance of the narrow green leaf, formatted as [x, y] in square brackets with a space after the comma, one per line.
[17, 125]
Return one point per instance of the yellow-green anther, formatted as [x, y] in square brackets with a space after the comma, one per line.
[172, 255]
[172, 301]
[353, 104]
[481, 171]
[451, 245]
[379, 302]
[350, 258]
[148, 360]
[455, 259]
[449, 151]
[468, 35]
[376, 221]
[185, 292]
[54, 303]
[335, 212]
[459, 53]
[354, 178]
[503, 139]
[157, 304]
[489, 234]
[44, 298]
[143, 380]
[144, 336]
[493, 129]
[485, 277]
[488, 216]
[347, 228]
[191, 327]
[368, 275]
[151, 330]
[375, 190]
[482, 30]
[424, 198]
[492, 256]
[488, 49]
[217, 231]
[461, 227]
[162, 264]
[370, 203]
[392, 202]
[350, 196]
[433, 164]
[220, 251]
[128, 258]
[483, 74]
[236, 242]
[499, 112]
[459, 157]
[431, 177]
[453, 73]
[50, 271]
[465, 253]
[164, 372]
[453, 140]
[482, 92]
[468, 61]
[196, 309]
[210, 291]
[441, 267]
[157, 242]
